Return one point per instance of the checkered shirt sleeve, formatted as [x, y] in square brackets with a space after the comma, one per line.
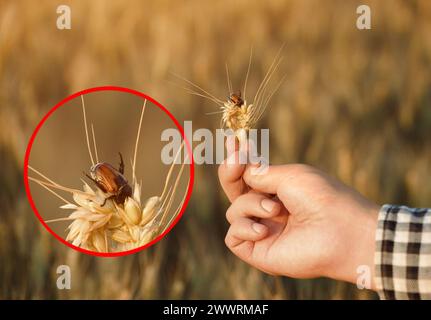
[403, 253]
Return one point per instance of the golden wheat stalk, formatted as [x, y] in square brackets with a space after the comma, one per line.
[237, 113]
[102, 225]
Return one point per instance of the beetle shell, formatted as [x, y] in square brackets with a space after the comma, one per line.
[109, 179]
[236, 99]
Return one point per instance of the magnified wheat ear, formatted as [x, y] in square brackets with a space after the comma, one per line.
[238, 114]
[99, 224]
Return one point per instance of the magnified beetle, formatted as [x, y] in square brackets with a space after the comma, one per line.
[111, 181]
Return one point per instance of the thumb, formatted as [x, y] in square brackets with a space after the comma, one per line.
[267, 182]
[273, 177]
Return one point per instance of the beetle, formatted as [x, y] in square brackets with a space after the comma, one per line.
[111, 181]
[236, 99]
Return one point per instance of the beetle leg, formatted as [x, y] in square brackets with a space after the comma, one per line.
[121, 168]
[123, 192]
[120, 197]
[106, 199]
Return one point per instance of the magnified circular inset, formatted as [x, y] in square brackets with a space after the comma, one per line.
[108, 171]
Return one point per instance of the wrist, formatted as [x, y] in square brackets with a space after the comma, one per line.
[356, 259]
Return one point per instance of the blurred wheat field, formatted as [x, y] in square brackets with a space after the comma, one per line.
[355, 103]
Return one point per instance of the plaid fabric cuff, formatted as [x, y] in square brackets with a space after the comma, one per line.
[403, 253]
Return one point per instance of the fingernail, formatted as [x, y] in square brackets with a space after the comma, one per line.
[258, 228]
[230, 144]
[267, 205]
[252, 146]
[243, 156]
[231, 160]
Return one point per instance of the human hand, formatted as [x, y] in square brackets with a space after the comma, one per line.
[297, 221]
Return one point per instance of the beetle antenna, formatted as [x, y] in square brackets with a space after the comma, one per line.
[86, 130]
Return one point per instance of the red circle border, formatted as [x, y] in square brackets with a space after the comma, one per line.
[64, 101]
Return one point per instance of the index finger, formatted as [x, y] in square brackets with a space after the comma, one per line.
[231, 170]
